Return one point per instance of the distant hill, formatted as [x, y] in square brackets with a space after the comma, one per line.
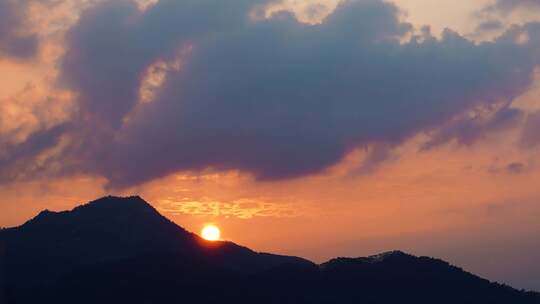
[121, 250]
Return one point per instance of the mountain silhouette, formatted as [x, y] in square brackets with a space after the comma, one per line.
[121, 250]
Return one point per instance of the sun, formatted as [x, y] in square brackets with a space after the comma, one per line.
[211, 233]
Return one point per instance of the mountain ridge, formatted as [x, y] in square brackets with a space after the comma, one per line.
[94, 247]
[114, 228]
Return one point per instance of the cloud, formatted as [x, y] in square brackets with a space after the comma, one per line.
[512, 168]
[489, 26]
[14, 41]
[471, 127]
[274, 97]
[19, 161]
[509, 6]
[106, 58]
[530, 136]
[516, 168]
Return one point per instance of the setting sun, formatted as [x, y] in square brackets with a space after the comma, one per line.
[210, 233]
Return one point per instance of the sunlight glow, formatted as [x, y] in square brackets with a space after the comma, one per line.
[211, 233]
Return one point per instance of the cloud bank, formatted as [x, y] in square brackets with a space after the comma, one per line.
[273, 97]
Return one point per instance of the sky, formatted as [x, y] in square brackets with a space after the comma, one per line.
[318, 128]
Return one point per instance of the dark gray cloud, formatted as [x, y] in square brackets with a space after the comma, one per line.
[509, 6]
[276, 98]
[14, 41]
[375, 156]
[516, 168]
[114, 43]
[490, 26]
[470, 128]
[17, 161]
[512, 168]
[531, 131]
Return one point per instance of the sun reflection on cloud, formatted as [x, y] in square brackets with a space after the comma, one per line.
[241, 208]
[311, 12]
[33, 108]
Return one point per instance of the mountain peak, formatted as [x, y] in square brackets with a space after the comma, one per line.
[129, 201]
[124, 202]
[105, 207]
[45, 213]
[388, 255]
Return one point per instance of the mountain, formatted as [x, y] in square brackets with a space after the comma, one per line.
[112, 228]
[121, 250]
